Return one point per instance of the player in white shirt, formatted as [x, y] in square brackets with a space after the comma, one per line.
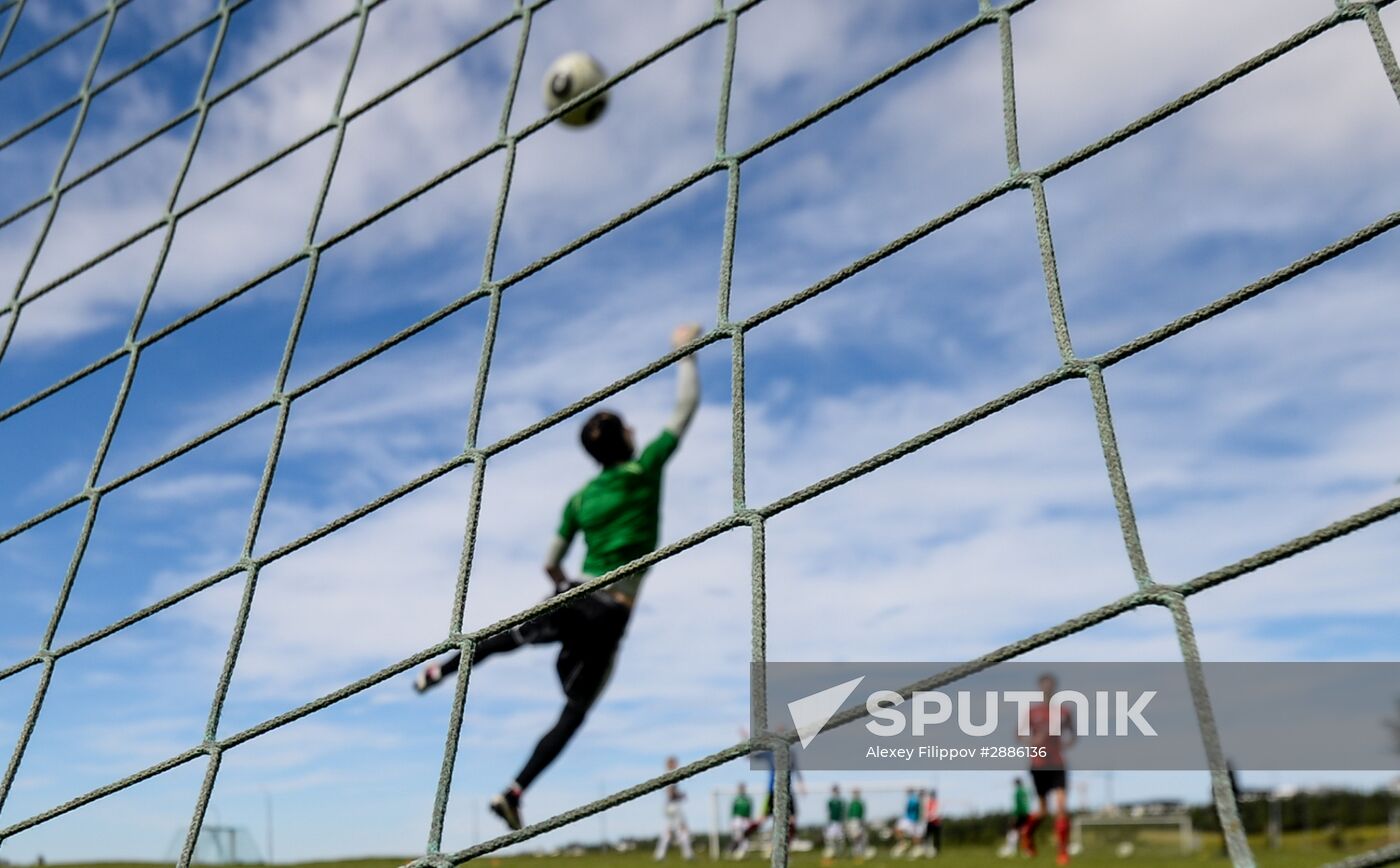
[675, 824]
[909, 827]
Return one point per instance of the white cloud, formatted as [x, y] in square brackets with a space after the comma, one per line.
[792, 57]
[1085, 69]
[1258, 427]
[200, 487]
[101, 300]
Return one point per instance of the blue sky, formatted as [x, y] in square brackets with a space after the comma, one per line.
[1248, 430]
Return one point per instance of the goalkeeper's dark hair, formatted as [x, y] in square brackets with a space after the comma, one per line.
[604, 436]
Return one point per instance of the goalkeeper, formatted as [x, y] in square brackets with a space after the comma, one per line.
[619, 512]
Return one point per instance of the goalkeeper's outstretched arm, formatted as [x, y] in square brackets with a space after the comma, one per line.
[687, 382]
[687, 400]
[554, 560]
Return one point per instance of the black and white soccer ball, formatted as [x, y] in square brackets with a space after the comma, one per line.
[570, 76]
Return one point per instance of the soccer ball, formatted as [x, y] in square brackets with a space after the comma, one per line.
[570, 76]
[1124, 849]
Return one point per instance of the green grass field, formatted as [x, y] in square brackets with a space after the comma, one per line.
[1298, 850]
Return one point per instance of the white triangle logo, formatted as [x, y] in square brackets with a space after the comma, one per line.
[810, 713]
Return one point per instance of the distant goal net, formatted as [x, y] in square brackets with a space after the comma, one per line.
[219, 845]
[1126, 835]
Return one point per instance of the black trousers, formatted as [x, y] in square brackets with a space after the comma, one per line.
[589, 631]
[934, 833]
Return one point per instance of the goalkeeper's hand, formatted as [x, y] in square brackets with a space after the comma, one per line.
[684, 334]
[556, 575]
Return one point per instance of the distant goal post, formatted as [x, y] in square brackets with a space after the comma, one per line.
[1128, 829]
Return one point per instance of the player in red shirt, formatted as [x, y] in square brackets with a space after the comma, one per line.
[933, 825]
[1048, 772]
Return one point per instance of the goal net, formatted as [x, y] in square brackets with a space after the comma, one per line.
[728, 20]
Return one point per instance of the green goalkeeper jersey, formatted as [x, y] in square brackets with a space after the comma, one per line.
[619, 511]
[743, 808]
[835, 809]
[856, 810]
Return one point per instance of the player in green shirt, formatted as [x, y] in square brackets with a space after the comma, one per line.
[855, 825]
[835, 833]
[742, 809]
[1020, 818]
[835, 806]
[619, 514]
[1020, 812]
[740, 817]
